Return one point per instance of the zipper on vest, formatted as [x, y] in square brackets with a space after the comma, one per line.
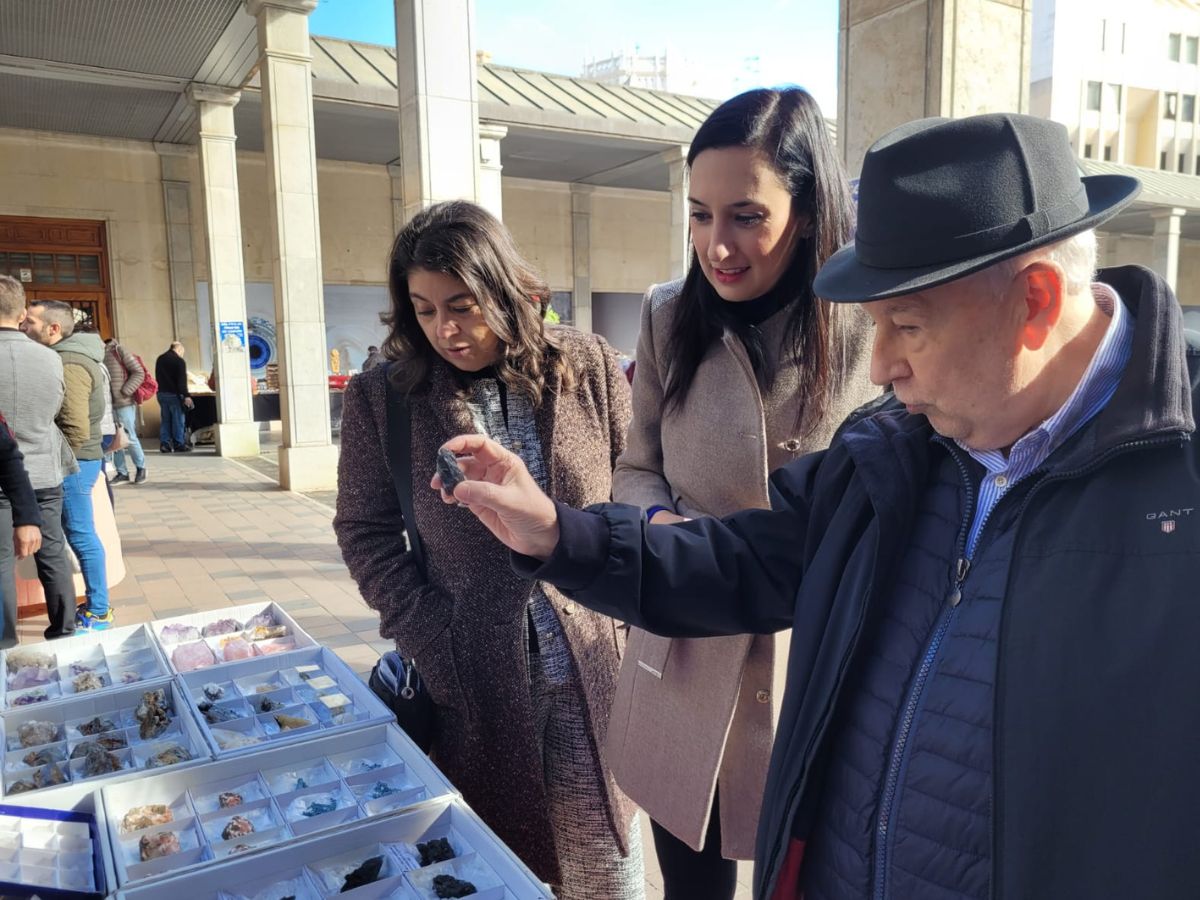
[916, 690]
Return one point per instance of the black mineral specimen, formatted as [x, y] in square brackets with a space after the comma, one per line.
[450, 470]
[449, 886]
[367, 873]
[435, 851]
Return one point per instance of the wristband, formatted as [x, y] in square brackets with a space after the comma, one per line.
[654, 510]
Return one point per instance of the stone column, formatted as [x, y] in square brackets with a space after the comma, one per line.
[396, 172]
[1166, 242]
[681, 245]
[236, 430]
[175, 160]
[307, 459]
[490, 193]
[900, 60]
[581, 255]
[439, 102]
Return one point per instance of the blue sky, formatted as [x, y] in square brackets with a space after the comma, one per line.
[724, 46]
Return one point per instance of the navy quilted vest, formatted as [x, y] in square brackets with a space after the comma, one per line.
[908, 791]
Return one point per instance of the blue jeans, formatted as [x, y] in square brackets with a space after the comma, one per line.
[127, 416]
[171, 430]
[79, 524]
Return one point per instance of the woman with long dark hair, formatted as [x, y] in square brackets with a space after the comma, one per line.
[740, 369]
[522, 678]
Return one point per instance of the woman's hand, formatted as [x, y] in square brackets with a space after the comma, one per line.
[666, 517]
[503, 495]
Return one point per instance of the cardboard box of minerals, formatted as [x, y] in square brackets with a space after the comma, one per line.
[110, 735]
[206, 639]
[440, 849]
[92, 663]
[247, 705]
[190, 820]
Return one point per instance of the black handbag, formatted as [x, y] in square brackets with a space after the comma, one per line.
[394, 679]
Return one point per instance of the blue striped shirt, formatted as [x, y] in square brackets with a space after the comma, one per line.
[1090, 396]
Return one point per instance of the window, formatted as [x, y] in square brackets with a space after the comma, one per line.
[1183, 163]
[1162, 160]
[1114, 91]
[1087, 151]
[1108, 154]
[1188, 113]
[1173, 41]
[1193, 50]
[1170, 105]
[1093, 95]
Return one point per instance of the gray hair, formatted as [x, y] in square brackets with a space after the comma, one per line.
[12, 297]
[1076, 256]
[176, 345]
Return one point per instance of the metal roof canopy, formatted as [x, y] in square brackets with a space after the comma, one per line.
[1160, 190]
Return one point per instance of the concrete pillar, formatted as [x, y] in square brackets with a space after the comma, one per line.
[900, 60]
[236, 430]
[1166, 242]
[307, 458]
[581, 255]
[175, 160]
[397, 177]
[490, 193]
[439, 102]
[681, 245]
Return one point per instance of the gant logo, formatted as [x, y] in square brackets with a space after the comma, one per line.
[1168, 519]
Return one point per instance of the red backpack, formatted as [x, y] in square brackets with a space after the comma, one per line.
[148, 388]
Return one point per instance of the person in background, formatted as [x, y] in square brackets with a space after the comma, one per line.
[742, 368]
[25, 514]
[373, 359]
[52, 323]
[126, 374]
[522, 679]
[170, 371]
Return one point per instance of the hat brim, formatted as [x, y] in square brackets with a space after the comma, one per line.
[843, 279]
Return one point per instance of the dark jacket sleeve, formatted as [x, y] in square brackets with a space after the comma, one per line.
[370, 532]
[14, 481]
[706, 577]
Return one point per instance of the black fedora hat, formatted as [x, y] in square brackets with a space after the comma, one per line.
[942, 198]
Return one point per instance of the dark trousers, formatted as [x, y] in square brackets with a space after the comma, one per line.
[170, 431]
[691, 875]
[53, 568]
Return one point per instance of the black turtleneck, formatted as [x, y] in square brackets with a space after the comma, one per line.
[756, 311]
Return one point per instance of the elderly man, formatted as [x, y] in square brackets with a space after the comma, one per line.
[990, 576]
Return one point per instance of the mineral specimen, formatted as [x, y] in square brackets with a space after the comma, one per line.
[232, 740]
[41, 757]
[318, 807]
[307, 672]
[449, 886]
[30, 676]
[268, 705]
[266, 648]
[263, 618]
[289, 723]
[435, 851]
[242, 848]
[450, 470]
[380, 789]
[238, 826]
[97, 726]
[37, 695]
[175, 633]
[130, 676]
[189, 657]
[227, 799]
[336, 703]
[156, 846]
[213, 691]
[266, 632]
[16, 660]
[49, 775]
[81, 668]
[34, 734]
[367, 873]
[20, 787]
[96, 760]
[215, 715]
[221, 626]
[146, 817]
[88, 681]
[171, 755]
[235, 648]
[152, 715]
[322, 683]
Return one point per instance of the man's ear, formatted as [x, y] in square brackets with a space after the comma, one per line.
[1043, 287]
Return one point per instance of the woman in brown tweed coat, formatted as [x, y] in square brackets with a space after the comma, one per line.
[522, 678]
[740, 369]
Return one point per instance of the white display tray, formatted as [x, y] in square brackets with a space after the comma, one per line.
[117, 706]
[241, 685]
[114, 656]
[298, 638]
[265, 780]
[317, 865]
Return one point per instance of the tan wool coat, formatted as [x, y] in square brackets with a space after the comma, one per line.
[694, 713]
[465, 624]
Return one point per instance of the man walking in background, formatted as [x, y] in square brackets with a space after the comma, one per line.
[170, 371]
[126, 374]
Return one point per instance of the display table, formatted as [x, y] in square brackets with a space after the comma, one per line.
[266, 409]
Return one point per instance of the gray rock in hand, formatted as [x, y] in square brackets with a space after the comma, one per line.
[449, 470]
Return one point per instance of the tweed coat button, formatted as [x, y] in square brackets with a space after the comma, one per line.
[791, 445]
[569, 609]
[763, 696]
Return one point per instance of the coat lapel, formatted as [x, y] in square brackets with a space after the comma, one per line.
[447, 406]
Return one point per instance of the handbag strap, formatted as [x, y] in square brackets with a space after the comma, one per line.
[399, 448]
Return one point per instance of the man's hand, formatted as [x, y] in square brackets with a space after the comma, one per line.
[27, 540]
[500, 491]
[187, 401]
